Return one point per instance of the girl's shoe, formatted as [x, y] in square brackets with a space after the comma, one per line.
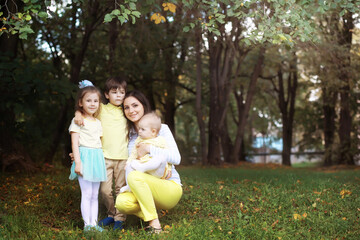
[87, 228]
[93, 228]
[153, 230]
[106, 221]
[97, 228]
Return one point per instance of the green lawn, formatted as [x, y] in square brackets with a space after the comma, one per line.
[246, 202]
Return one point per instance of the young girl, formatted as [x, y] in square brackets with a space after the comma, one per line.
[89, 164]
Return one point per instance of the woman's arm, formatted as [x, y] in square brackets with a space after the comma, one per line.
[171, 154]
[76, 152]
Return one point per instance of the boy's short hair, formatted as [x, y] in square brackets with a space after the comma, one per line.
[115, 83]
[153, 119]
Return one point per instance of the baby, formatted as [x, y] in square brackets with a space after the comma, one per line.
[148, 129]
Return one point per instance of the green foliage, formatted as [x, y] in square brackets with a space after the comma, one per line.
[248, 202]
[17, 18]
[275, 22]
[123, 12]
[32, 97]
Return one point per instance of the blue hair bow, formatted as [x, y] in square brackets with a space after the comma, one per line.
[85, 83]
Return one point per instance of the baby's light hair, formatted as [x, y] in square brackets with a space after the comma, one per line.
[80, 96]
[153, 119]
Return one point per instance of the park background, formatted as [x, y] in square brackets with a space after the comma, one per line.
[237, 82]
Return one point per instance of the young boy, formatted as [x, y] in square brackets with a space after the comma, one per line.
[114, 144]
[149, 127]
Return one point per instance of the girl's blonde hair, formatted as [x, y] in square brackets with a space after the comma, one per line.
[80, 96]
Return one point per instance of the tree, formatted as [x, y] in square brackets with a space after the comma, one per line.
[285, 86]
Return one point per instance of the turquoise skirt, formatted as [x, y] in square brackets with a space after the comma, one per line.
[93, 165]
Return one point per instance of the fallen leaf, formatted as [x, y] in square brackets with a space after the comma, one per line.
[344, 193]
[296, 216]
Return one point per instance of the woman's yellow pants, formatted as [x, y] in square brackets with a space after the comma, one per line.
[148, 193]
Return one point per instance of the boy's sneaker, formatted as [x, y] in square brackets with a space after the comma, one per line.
[106, 221]
[119, 225]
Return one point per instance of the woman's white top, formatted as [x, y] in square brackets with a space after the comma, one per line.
[171, 154]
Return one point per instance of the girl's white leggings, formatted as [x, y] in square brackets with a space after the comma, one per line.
[89, 201]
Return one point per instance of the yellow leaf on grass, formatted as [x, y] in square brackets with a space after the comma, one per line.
[297, 216]
[344, 193]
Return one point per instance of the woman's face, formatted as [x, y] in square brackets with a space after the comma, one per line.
[133, 109]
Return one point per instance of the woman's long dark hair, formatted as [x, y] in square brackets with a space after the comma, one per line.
[144, 102]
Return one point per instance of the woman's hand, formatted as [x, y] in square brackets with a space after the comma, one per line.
[142, 149]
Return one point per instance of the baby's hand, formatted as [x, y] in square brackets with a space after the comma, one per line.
[71, 155]
[78, 119]
[168, 175]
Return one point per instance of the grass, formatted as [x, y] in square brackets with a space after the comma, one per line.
[245, 202]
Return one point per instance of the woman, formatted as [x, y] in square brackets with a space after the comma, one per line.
[149, 193]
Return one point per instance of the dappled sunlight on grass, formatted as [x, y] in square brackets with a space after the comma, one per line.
[248, 201]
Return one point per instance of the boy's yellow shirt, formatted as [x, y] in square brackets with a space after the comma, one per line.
[114, 139]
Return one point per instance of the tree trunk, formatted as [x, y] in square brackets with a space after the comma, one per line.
[170, 93]
[173, 67]
[287, 142]
[286, 100]
[221, 56]
[345, 124]
[244, 108]
[214, 151]
[329, 100]
[226, 144]
[113, 34]
[198, 105]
